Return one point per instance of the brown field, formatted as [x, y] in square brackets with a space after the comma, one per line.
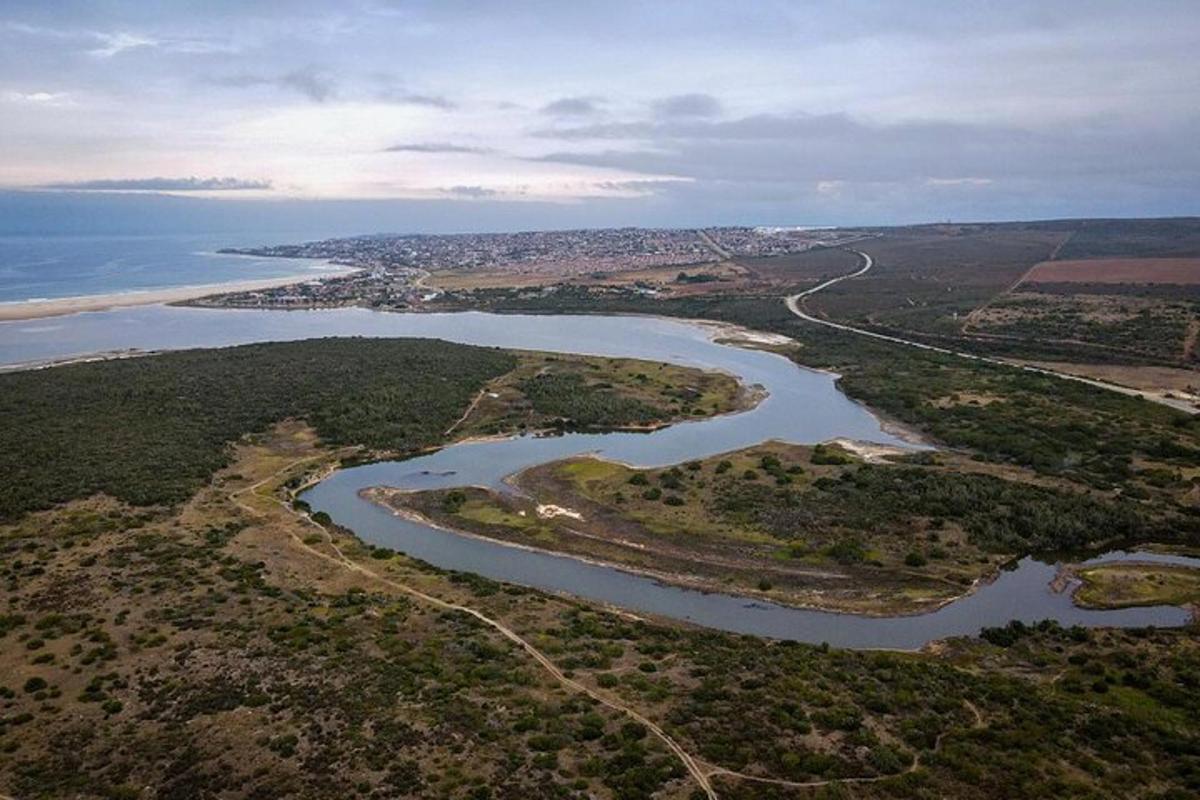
[1184, 271]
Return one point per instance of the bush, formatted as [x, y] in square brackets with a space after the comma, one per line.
[847, 551]
[453, 501]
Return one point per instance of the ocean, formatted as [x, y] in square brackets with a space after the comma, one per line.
[52, 267]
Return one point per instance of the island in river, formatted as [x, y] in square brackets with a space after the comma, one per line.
[813, 526]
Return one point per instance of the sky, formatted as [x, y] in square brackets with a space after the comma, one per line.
[455, 115]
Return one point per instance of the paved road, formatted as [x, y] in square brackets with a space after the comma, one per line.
[795, 305]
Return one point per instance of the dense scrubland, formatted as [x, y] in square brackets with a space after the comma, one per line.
[579, 392]
[210, 649]
[162, 651]
[152, 430]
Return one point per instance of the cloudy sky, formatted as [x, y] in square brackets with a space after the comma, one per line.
[625, 113]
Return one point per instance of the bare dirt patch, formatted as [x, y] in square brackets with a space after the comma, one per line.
[1183, 271]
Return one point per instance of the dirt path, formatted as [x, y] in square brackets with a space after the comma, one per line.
[973, 315]
[479, 396]
[340, 559]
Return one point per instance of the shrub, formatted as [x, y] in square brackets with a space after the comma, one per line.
[453, 501]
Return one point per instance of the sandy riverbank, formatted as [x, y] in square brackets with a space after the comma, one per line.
[54, 307]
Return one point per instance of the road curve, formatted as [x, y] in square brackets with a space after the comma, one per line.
[794, 304]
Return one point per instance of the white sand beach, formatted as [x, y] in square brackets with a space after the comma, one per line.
[54, 307]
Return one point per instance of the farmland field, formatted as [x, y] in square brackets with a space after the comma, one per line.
[1118, 270]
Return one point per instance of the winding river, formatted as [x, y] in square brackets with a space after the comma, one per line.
[802, 406]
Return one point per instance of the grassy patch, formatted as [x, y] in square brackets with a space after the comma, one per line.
[1123, 585]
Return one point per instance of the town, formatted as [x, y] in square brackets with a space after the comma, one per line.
[393, 270]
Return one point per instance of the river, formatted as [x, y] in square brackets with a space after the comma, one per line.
[802, 406]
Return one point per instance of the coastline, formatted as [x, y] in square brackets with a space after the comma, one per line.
[19, 310]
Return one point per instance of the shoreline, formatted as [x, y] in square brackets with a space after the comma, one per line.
[22, 310]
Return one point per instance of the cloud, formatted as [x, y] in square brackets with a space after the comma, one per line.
[415, 99]
[41, 98]
[855, 158]
[112, 44]
[958, 181]
[471, 191]
[192, 184]
[391, 89]
[637, 187]
[106, 44]
[687, 105]
[435, 147]
[308, 81]
[571, 107]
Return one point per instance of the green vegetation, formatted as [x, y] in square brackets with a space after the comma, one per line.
[906, 534]
[999, 516]
[205, 650]
[555, 391]
[564, 396]
[1057, 427]
[1124, 585]
[984, 720]
[1111, 327]
[193, 667]
[151, 430]
[1054, 426]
